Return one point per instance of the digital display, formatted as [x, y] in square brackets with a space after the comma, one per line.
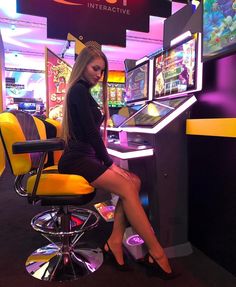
[31, 107]
[149, 116]
[175, 69]
[22, 83]
[115, 94]
[123, 114]
[137, 83]
[219, 28]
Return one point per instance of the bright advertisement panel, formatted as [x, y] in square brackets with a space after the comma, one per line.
[57, 76]
[219, 28]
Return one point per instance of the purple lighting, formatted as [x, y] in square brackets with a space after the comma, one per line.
[134, 240]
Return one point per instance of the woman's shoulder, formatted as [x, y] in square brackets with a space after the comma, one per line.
[78, 89]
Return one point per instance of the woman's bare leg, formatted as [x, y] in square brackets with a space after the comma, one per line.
[119, 226]
[122, 186]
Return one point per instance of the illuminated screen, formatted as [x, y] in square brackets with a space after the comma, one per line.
[219, 28]
[137, 83]
[115, 94]
[175, 70]
[149, 116]
[122, 115]
[22, 83]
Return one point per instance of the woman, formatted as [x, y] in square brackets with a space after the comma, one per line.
[85, 154]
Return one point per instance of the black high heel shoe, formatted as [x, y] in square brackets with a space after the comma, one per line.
[154, 269]
[108, 254]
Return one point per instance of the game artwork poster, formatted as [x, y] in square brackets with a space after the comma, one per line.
[57, 76]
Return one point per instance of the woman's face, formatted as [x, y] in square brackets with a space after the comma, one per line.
[94, 71]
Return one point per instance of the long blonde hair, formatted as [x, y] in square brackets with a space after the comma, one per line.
[87, 55]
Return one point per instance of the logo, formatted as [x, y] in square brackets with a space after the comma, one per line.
[65, 2]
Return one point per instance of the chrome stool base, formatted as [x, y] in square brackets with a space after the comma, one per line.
[50, 264]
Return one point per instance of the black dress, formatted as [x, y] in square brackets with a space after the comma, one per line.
[85, 154]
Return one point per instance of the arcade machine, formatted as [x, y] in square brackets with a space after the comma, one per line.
[152, 143]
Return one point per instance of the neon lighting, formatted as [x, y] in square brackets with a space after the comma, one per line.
[140, 61]
[165, 121]
[8, 34]
[180, 38]
[151, 72]
[131, 154]
[64, 2]
[9, 8]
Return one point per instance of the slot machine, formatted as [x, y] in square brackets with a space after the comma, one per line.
[151, 140]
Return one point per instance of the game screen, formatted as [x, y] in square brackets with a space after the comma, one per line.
[123, 114]
[175, 70]
[137, 83]
[23, 85]
[219, 28]
[115, 94]
[149, 116]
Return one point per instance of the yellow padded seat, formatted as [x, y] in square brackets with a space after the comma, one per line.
[60, 184]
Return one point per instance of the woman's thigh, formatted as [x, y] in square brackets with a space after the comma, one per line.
[115, 183]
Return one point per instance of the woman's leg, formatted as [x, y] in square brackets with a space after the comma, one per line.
[126, 189]
[120, 222]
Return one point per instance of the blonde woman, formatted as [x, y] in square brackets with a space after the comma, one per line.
[85, 154]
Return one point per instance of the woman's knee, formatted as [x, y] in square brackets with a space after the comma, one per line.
[136, 181]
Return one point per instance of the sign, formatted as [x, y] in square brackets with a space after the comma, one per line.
[57, 76]
[104, 21]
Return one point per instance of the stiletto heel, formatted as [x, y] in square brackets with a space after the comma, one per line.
[154, 269]
[108, 254]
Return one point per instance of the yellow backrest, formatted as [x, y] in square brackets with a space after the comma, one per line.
[12, 131]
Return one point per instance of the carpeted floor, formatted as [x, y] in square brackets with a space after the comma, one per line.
[18, 240]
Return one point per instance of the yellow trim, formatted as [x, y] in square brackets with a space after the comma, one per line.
[222, 127]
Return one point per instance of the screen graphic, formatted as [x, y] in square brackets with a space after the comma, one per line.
[175, 70]
[219, 28]
[123, 114]
[137, 83]
[57, 76]
[115, 94]
[149, 116]
[25, 88]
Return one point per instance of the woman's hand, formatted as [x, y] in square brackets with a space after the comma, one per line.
[120, 171]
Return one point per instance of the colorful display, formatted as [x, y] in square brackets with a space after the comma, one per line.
[115, 94]
[24, 89]
[57, 76]
[219, 28]
[137, 83]
[149, 116]
[122, 115]
[175, 69]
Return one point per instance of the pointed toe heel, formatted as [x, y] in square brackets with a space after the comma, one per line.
[109, 256]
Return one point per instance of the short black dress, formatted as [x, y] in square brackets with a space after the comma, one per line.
[85, 154]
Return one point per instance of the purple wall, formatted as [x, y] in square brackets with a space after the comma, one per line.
[212, 161]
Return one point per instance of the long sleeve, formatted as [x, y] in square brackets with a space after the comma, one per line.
[86, 119]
